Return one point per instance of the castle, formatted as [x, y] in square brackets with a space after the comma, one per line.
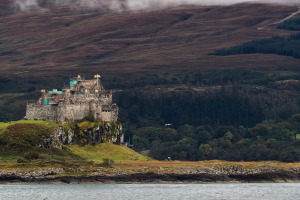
[84, 98]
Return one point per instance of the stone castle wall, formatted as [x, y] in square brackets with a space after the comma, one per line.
[61, 113]
[106, 98]
[106, 116]
[76, 111]
[41, 112]
[78, 102]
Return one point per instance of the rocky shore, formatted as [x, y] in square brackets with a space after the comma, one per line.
[215, 174]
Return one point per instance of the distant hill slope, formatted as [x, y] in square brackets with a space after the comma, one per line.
[6, 7]
[288, 46]
[60, 41]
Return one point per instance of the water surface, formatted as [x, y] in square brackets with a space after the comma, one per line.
[249, 191]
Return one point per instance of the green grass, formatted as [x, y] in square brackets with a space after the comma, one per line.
[32, 122]
[107, 150]
[4, 125]
[18, 138]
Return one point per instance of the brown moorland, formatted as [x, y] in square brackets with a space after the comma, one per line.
[61, 41]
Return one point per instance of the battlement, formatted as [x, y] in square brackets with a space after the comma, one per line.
[83, 98]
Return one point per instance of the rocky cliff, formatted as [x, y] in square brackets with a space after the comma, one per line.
[84, 133]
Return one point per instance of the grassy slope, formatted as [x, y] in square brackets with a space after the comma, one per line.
[99, 152]
[46, 123]
[18, 138]
[89, 157]
[207, 163]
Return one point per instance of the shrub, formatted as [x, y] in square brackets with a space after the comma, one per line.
[21, 135]
[32, 155]
[21, 160]
[108, 162]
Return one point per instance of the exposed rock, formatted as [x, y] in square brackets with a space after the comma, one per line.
[229, 169]
[59, 137]
[217, 173]
[106, 132]
[41, 173]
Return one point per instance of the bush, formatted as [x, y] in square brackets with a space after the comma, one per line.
[32, 155]
[22, 136]
[108, 162]
[21, 160]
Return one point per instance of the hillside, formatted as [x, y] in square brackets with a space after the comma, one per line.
[20, 145]
[162, 69]
[107, 150]
[58, 42]
[23, 161]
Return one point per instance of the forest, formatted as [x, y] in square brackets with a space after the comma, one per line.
[291, 24]
[264, 141]
[224, 124]
[225, 114]
[231, 114]
[287, 46]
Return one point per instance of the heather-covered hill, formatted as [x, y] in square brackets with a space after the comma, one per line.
[61, 41]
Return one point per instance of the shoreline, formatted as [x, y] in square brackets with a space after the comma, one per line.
[152, 178]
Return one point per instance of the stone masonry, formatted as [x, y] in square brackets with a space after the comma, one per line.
[84, 98]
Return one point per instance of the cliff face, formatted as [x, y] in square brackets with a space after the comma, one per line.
[84, 133]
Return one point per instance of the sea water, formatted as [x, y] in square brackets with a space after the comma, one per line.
[249, 191]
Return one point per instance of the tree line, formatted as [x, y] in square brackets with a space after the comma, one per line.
[287, 46]
[290, 24]
[231, 122]
[265, 141]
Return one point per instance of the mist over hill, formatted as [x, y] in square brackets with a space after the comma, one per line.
[132, 5]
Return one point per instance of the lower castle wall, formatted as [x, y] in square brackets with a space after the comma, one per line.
[76, 111]
[63, 113]
[109, 116]
[106, 99]
[41, 112]
[96, 110]
[106, 116]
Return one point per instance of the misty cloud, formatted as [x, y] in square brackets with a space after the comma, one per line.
[132, 5]
[26, 5]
